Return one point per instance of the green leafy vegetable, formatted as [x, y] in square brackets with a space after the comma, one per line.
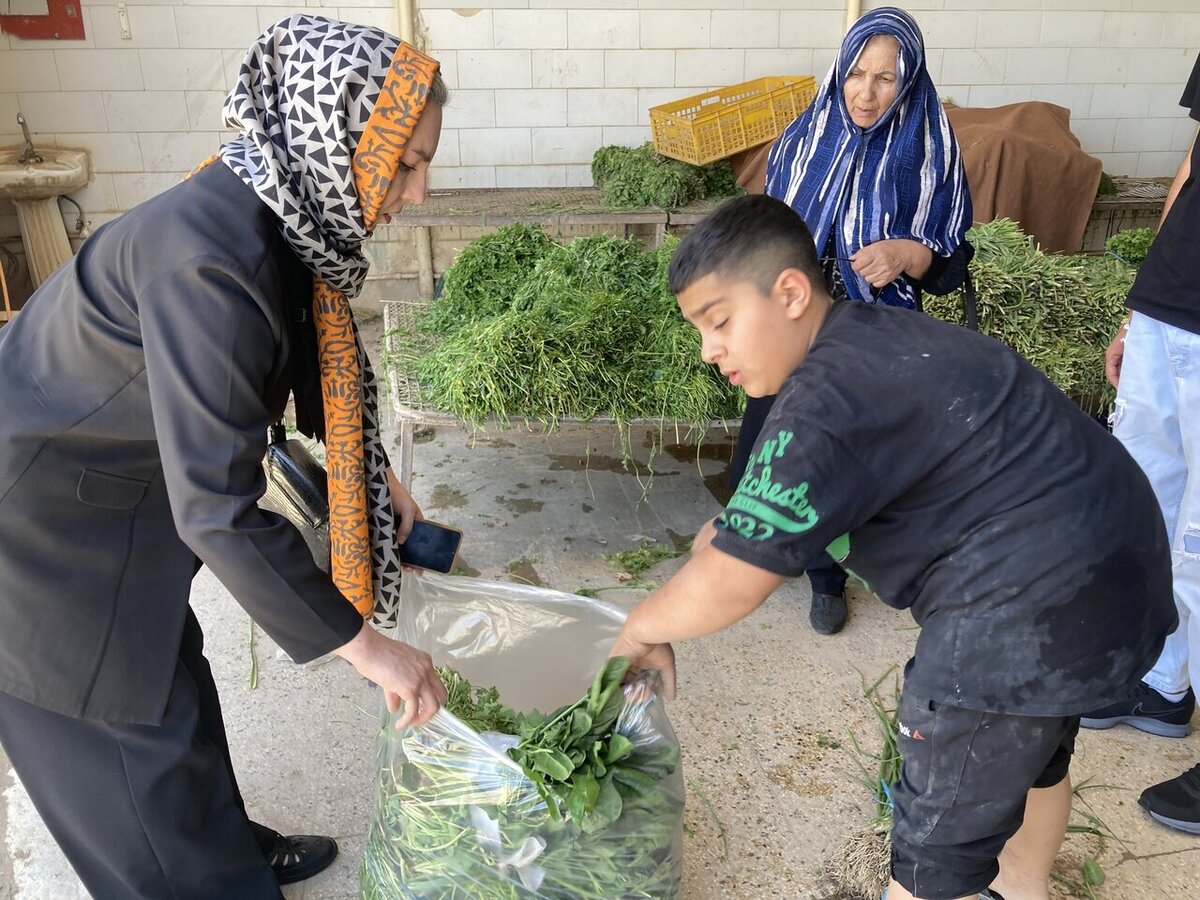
[583, 811]
[1131, 246]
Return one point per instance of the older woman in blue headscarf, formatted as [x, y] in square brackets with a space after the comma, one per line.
[873, 168]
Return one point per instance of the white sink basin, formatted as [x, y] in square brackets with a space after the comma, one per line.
[60, 172]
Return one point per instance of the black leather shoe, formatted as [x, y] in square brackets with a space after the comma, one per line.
[299, 856]
[828, 613]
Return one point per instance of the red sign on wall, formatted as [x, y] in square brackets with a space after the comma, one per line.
[64, 23]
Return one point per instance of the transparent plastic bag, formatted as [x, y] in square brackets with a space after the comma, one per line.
[456, 819]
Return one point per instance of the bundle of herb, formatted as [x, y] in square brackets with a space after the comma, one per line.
[1131, 246]
[588, 805]
[638, 176]
[590, 330]
[486, 276]
[1057, 311]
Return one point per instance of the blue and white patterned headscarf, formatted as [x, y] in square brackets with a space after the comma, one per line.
[900, 178]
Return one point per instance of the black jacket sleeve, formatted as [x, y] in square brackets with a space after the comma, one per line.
[211, 338]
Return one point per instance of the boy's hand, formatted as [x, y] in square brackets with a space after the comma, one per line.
[648, 657]
[704, 536]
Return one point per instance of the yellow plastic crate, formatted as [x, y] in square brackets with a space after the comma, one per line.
[720, 123]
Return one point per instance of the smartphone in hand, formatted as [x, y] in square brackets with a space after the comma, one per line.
[431, 546]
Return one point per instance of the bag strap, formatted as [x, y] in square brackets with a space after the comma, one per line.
[278, 433]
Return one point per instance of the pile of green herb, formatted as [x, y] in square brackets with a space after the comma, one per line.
[638, 176]
[1058, 311]
[584, 809]
[577, 331]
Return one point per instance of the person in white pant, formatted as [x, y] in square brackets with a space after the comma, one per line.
[1154, 362]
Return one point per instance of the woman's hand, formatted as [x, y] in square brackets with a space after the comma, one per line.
[883, 262]
[644, 657]
[405, 674]
[403, 505]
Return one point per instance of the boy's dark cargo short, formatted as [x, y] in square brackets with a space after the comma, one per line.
[961, 795]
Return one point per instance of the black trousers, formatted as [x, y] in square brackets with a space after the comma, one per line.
[826, 576]
[144, 811]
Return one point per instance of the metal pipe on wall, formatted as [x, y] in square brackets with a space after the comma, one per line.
[406, 14]
[853, 11]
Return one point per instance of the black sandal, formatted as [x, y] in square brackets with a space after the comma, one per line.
[299, 856]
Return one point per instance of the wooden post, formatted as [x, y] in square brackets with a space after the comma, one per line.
[424, 240]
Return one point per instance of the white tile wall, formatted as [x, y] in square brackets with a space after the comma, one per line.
[480, 69]
[708, 69]
[1097, 135]
[625, 135]
[532, 108]
[745, 28]
[523, 176]
[1144, 135]
[1008, 28]
[532, 28]
[1072, 29]
[470, 109]
[204, 109]
[566, 145]
[616, 106]
[500, 147]
[1036, 66]
[602, 29]
[568, 68]
[538, 85]
[29, 70]
[145, 111]
[175, 151]
[638, 68]
[668, 29]
[217, 27]
[99, 70]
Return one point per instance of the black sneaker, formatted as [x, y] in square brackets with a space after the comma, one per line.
[1175, 803]
[828, 613]
[1147, 710]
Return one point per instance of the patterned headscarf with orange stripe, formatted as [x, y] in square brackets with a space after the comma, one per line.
[326, 109]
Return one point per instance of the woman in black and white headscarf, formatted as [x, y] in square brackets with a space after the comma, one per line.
[139, 384]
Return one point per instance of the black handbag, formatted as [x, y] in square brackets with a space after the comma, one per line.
[297, 489]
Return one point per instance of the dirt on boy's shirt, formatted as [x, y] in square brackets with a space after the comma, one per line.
[956, 481]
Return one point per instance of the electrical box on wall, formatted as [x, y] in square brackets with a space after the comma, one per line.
[47, 20]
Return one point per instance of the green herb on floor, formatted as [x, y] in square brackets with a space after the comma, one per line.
[636, 562]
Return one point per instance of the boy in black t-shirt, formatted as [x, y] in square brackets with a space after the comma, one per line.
[953, 479]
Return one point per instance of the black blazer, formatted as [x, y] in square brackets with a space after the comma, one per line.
[137, 386]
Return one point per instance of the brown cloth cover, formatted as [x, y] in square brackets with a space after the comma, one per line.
[750, 167]
[1024, 163]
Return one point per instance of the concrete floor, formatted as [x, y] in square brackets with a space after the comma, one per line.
[763, 714]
